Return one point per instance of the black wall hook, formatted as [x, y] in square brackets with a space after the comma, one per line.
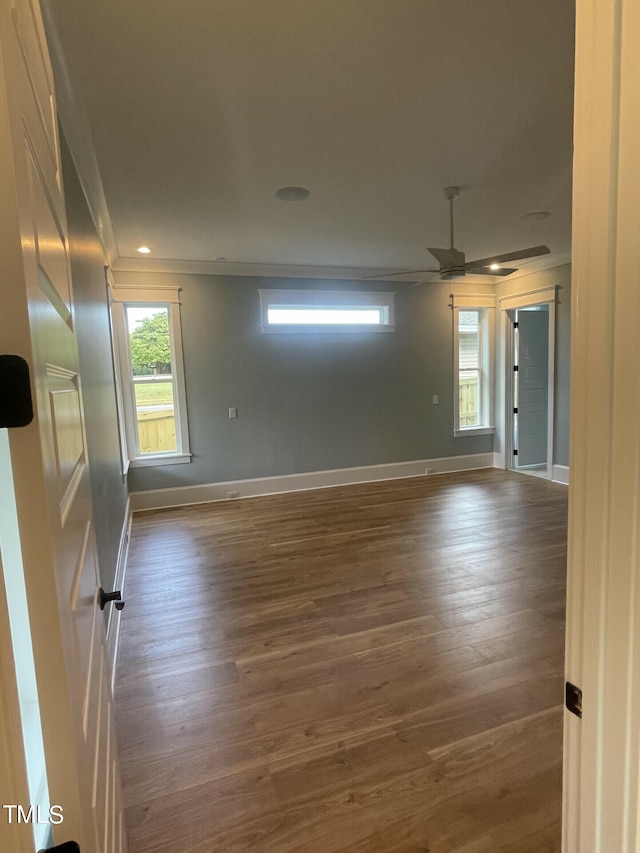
[16, 405]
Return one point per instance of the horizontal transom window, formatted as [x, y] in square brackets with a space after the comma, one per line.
[317, 310]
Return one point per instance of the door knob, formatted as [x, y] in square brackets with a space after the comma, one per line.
[115, 596]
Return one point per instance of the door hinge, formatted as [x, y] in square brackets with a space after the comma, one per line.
[515, 367]
[573, 699]
[515, 452]
[515, 410]
[515, 325]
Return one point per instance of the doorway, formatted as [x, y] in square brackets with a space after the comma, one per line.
[530, 390]
[529, 357]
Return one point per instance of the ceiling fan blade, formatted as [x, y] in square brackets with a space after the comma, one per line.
[391, 275]
[518, 255]
[489, 271]
[430, 280]
[447, 257]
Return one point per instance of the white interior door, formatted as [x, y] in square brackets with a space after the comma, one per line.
[49, 456]
[538, 372]
[532, 382]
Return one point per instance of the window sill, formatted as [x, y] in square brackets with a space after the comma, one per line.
[126, 464]
[486, 430]
[160, 459]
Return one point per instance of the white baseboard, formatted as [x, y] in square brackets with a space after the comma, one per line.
[560, 474]
[499, 460]
[184, 495]
[113, 624]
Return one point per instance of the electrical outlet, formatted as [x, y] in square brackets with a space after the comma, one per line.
[234, 494]
[233, 412]
[428, 470]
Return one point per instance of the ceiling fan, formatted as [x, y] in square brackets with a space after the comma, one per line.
[452, 261]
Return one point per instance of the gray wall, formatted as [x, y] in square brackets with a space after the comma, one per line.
[94, 344]
[307, 402]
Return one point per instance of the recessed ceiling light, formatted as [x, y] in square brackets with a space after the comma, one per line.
[494, 266]
[144, 250]
[292, 193]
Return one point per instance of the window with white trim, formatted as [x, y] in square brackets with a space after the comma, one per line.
[473, 358]
[149, 342]
[117, 380]
[326, 311]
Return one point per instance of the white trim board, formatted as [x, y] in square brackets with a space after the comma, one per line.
[560, 474]
[115, 616]
[184, 495]
[537, 296]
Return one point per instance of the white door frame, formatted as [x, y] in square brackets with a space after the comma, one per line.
[504, 420]
[601, 808]
[13, 836]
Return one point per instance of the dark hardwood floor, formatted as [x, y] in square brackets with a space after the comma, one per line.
[367, 669]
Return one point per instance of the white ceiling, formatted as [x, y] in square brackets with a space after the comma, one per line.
[200, 111]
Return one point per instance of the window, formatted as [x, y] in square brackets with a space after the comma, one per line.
[117, 380]
[147, 326]
[470, 376]
[323, 310]
[473, 329]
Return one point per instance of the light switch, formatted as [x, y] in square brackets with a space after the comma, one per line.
[233, 412]
[436, 399]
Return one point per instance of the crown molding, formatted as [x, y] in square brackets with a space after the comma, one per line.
[268, 270]
[239, 268]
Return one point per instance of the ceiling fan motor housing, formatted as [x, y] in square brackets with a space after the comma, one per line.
[453, 272]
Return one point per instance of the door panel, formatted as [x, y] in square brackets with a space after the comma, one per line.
[68, 437]
[50, 247]
[49, 456]
[83, 591]
[26, 26]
